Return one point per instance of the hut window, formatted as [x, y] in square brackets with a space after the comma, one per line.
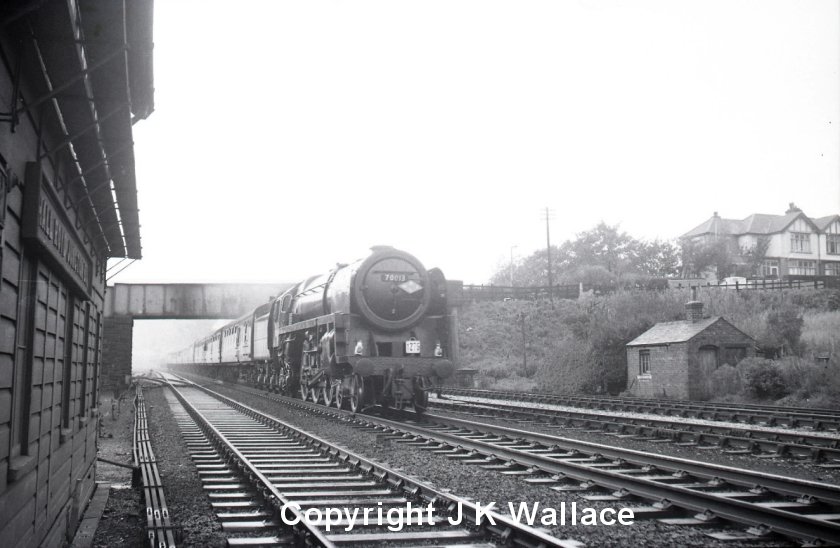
[644, 362]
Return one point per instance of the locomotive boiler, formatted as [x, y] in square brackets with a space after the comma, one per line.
[375, 331]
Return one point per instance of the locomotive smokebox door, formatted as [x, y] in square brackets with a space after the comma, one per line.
[392, 289]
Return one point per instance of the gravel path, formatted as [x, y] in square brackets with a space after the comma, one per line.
[121, 523]
[485, 486]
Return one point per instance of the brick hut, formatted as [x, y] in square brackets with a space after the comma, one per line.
[676, 359]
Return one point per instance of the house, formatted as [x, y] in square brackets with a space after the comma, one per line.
[676, 359]
[792, 244]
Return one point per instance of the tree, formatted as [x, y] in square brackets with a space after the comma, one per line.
[597, 256]
[603, 246]
[755, 255]
[657, 258]
[530, 271]
[715, 254]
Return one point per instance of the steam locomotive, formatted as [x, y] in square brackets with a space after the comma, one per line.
[372, 332]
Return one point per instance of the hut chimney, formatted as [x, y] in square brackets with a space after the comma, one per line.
[694, 308]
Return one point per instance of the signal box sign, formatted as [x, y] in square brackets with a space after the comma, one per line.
[47, 227]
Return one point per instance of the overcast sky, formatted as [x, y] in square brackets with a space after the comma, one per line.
[288, 136]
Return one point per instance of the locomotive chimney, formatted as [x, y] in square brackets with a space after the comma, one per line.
[694, 308]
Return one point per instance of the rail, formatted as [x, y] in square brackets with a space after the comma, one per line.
[728, 439]
[159, 528]
[397, 485]
[802, 510]
[791, 417]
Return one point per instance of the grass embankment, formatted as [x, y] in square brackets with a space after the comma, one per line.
[578, 346]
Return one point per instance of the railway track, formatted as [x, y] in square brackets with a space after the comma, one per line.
[737, 441]
[766, 415]
[265, 475]
[673, 490]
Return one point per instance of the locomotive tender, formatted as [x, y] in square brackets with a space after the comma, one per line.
[375, 331]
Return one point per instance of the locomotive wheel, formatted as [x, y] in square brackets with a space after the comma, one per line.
[357, 393]
[339, 396]
[315, 394]
[421, 401]
[326, 393]
[304, 391]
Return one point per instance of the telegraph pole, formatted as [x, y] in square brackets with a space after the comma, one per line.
[548, 215]
[521, 316]
[511, 263]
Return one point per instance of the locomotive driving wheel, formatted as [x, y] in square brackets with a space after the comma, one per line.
[339, 396]
[357, 392]
[304, 391]
[327, 393]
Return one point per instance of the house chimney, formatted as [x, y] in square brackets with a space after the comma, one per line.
[792, 208]
[694, 308]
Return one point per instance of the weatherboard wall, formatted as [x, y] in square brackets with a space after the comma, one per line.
[51, 297]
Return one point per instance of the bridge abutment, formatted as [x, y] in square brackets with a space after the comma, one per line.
[118, 332]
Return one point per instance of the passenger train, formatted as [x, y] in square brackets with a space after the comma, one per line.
[372, 332]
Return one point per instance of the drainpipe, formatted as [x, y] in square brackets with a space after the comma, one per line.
[819, 255]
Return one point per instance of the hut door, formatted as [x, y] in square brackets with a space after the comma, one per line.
[707, 361]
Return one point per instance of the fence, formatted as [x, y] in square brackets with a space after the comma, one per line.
[573, 291]
[766, 285]
[502, 292]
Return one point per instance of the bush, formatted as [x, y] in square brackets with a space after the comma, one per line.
[725, 381]
[575, 346]
[762, 379]
[821, 332]
[516, 384]
[785, 324]
[497, 372]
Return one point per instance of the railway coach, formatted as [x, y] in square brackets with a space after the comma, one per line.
[375, 331]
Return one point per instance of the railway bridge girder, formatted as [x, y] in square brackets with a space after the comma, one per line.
[125, 303]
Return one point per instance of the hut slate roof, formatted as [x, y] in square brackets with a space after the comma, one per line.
[673, 332]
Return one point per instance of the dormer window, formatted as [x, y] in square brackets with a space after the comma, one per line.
[800, 242]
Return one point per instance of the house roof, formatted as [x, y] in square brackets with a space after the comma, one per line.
[757, 223]
[823, 222]
[673, 332]
[761, 223]
[715, 225]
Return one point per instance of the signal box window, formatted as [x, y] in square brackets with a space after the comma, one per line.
[644, 362]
